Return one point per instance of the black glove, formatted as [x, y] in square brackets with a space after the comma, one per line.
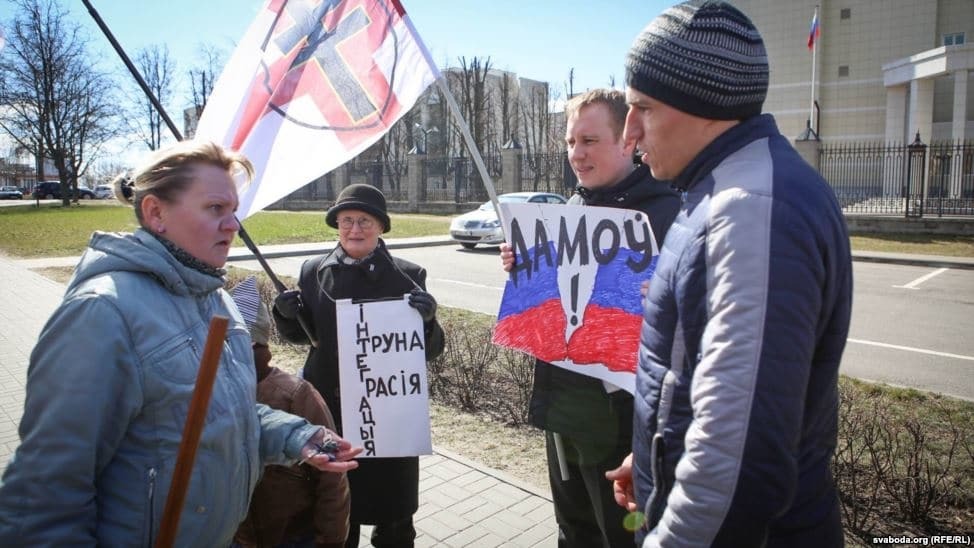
[288, 304]
[424, 303]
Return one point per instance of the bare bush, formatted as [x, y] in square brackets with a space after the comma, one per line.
[918, 477]
[854, 466]
[517, 372]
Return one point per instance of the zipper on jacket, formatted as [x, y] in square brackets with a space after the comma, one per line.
[151, 505]
[683, 197]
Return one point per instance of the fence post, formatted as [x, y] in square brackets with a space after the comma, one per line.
[808, 149]
[416, 180]
[512, 156]
[916, 157]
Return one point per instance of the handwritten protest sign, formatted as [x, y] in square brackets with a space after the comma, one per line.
[382, 371]
[573, 296]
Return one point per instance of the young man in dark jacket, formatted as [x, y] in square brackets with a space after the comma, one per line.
[589, 419]
[748, 312]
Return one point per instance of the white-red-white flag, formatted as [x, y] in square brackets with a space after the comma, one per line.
[312, 84]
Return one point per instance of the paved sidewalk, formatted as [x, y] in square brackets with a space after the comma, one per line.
[462, 503]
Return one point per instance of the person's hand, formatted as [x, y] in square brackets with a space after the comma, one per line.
[507, 257]
[621, 479]
[644, 288]
[328, 452]
[424, 303]
[288, 303]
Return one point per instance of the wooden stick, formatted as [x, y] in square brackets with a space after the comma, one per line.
[191, 432]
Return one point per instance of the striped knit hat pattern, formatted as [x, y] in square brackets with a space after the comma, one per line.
[702, 57]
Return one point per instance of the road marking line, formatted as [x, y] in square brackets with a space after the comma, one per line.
[911, 349]
[921, 279]
[468, 284]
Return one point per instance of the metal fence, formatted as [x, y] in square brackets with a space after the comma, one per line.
[547, 172]
[912, 180]
[456, 179]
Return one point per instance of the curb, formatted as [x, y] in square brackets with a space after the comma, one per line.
[909, 260]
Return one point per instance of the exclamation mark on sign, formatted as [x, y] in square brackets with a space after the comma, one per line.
[574, 319]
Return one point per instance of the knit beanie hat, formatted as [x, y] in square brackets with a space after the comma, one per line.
[702, 57]
[253, 310]
[366, 198]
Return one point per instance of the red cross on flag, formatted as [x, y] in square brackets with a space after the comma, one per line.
[312, 84]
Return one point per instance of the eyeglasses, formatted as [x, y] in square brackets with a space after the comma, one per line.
[364, 223]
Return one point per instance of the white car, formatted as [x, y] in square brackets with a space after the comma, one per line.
[482, 226]
[104, 192]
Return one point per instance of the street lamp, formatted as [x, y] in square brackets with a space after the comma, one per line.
[426, 135]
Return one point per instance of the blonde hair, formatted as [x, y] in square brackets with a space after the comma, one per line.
[613, 99]
[169, 171]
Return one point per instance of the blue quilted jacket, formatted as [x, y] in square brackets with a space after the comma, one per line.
[745, 323]
[108, 391]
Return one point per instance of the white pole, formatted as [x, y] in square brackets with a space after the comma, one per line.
[811, 106]
[471, 145]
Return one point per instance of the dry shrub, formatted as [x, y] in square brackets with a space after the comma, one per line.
[903, 461]
[516, 374]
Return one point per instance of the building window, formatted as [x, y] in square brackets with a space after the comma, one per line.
[845, 13]
[954, 39]
[843, 70]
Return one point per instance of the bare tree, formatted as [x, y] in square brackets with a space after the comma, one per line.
[537, 131]
[55, 104]
[509, 111]
[103, 171]
[158, 70]
[469, 85]
[202, 78]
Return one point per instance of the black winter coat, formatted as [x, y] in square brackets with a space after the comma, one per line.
[577, 405]
[382, 489]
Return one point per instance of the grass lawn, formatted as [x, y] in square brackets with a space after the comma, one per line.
[925, 244]
[54, 231]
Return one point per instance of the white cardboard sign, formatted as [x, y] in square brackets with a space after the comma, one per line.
[382, 371]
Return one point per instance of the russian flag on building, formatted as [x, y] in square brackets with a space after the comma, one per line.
[814, 31]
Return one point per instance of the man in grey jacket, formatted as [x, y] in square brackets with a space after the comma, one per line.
[747, 315]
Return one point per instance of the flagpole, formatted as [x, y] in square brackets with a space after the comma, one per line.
[471, 145]
[811, 105]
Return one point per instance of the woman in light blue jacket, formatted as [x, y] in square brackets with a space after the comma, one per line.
[111, 377]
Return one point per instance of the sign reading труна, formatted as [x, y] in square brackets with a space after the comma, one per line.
[382, 371]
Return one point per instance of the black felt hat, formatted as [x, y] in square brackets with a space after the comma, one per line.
[365, 198]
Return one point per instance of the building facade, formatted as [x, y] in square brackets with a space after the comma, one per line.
[884, 69]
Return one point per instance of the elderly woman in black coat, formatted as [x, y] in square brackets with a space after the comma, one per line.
[385, 491]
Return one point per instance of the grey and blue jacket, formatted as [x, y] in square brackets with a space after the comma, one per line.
[745, 323]
[108, 390]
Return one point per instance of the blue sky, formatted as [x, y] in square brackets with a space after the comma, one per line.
[538, 39]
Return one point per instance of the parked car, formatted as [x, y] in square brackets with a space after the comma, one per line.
[10, 193]
[51, 190]
[482, 226]
[104, 192]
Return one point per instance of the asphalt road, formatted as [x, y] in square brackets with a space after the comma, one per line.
[911, 326]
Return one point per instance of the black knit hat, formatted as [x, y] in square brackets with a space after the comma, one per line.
[366, 198]
[704, 58]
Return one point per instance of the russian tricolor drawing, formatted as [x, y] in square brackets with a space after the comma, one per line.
[814, 31]
[573, 298]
